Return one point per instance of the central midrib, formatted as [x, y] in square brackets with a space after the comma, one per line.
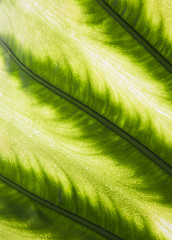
[139, 146]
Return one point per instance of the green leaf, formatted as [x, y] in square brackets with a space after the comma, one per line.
[74, 87]
[54, 150]
[101, 65]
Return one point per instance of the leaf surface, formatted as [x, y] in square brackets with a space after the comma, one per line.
[89, 56]
[55, 149]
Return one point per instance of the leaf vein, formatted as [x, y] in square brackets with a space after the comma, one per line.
[103, 232]
[164, 62]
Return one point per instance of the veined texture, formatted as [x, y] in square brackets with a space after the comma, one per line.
[92, 58]
[61, 154]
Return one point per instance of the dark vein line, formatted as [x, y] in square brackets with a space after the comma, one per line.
[139, 146]
[164, 62]
[61, 210]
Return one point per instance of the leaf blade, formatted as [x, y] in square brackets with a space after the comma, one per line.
[88, 154]
[97, 69]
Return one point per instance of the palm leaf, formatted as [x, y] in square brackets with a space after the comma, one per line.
[63, 142]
